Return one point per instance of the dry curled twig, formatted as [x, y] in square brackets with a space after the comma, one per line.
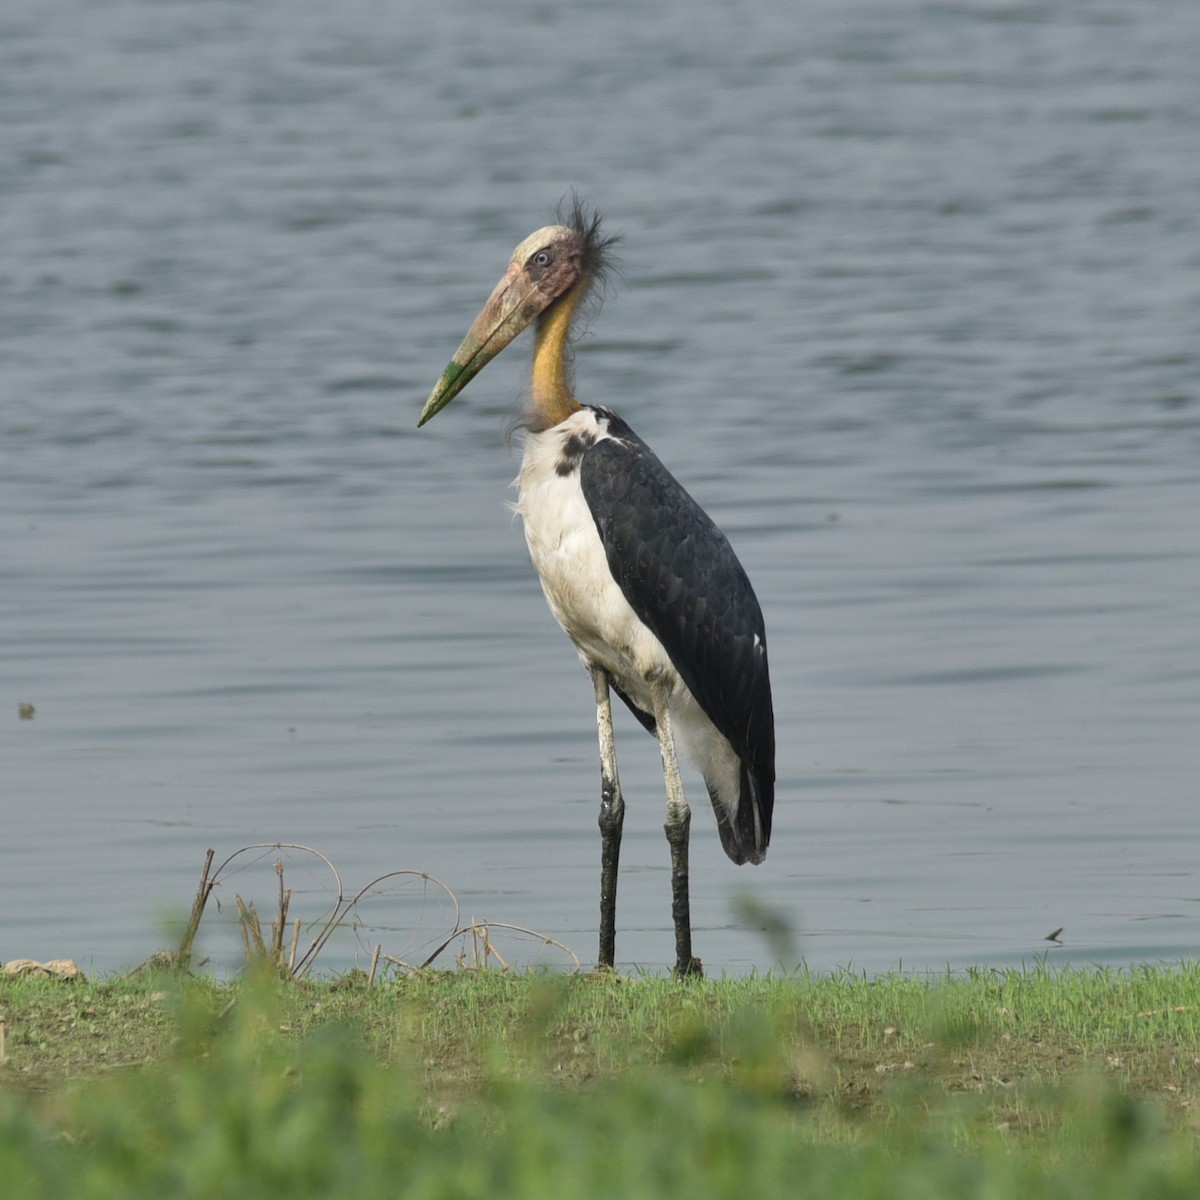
[482, 951]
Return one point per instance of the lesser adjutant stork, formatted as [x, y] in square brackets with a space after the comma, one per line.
[636, 573]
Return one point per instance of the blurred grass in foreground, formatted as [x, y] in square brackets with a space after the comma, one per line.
[463, 1084]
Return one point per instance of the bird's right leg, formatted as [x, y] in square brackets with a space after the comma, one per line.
[612, 817]
[679, 820]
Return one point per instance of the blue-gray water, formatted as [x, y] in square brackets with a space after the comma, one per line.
[910, 302]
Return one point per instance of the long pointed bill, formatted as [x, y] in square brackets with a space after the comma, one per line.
[514, 303]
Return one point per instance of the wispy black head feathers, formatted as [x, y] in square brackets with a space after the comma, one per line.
[597, 257]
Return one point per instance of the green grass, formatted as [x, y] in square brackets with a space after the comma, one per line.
[462, 1084]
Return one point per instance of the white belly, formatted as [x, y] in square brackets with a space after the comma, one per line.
[586, 601]
[570, 561]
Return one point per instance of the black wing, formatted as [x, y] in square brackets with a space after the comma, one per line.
[682, 578]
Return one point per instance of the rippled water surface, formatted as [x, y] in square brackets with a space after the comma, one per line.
[910, 301]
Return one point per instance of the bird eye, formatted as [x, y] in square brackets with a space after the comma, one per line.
[541, 258]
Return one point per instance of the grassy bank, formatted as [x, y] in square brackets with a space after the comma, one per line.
[483, 1083]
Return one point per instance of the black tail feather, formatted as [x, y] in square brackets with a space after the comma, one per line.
[745, 839]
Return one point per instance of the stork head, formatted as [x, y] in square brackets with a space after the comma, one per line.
[550, 264]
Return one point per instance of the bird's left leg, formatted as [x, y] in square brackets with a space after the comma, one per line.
[612, 817]
[679, 820]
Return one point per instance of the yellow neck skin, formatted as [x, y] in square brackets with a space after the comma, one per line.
[552, 398]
